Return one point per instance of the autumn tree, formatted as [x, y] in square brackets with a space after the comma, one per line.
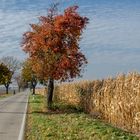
[53, 46]
[5, 76]
[28, 76]
[12, 63]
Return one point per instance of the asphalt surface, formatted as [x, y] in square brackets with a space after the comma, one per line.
[12, 114]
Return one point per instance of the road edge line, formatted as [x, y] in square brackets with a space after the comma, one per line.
[22, 129]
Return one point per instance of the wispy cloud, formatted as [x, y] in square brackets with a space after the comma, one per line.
[111, 41]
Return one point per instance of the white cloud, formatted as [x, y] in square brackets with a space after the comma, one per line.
[110, 42]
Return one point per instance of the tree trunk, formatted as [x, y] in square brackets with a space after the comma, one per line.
[34, 83]
[19, 89]
[7, 88]
[33, 90]
[50, 93]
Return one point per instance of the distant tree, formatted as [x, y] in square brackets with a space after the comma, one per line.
[11, 62]
[53, 47]
[28, 75]
[20, 82]
[5, 76]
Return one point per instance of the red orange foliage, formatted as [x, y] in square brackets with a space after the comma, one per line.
[53, 45]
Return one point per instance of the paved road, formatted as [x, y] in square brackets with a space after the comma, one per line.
[12, 114]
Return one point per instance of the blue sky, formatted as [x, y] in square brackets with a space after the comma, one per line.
[111, 41]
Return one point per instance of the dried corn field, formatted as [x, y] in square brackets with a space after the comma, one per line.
[115, 100]
[41, 91]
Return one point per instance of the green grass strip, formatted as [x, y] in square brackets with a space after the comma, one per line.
[67, 124]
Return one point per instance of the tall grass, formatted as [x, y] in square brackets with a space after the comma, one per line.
[115, 100]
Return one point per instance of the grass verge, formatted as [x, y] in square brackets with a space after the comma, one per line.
[4, 95]
[66, 123]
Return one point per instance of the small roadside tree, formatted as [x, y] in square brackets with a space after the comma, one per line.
[28, 75]
[12, 63]
[53, 47]
[5, 76]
